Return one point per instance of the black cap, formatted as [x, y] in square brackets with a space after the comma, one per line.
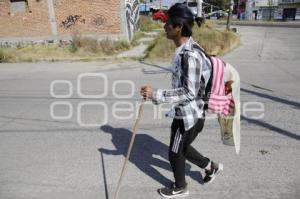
[180, 10]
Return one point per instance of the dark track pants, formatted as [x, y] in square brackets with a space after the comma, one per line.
[180, 149]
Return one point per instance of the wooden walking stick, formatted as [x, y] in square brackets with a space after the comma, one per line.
[104, 176]
[129, 149]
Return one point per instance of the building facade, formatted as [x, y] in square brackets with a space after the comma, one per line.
[258, 9]
[56, 19]
[265, 9]
[269, 9]
[289, 9]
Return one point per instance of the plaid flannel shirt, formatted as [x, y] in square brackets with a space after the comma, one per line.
[188, 85]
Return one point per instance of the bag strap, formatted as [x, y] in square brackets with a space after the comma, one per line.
[210, 81]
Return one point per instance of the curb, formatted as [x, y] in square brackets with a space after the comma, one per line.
[264, 24]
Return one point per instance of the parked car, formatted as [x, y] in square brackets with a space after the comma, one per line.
[160, 15]
[216, 14]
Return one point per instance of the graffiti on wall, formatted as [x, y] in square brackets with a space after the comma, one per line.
[99, 20]
[72, 20]
[132, 16]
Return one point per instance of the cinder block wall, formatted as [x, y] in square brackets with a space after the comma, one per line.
[72, 16]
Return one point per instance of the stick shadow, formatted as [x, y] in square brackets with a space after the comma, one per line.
[145, 153]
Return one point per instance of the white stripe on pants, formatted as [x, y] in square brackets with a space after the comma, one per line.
[176, 141]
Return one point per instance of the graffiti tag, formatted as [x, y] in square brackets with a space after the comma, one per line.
[99, 21]
[71, 21]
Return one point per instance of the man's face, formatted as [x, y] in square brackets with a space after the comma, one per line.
[172, 32]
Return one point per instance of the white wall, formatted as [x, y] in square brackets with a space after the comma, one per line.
[264, 3]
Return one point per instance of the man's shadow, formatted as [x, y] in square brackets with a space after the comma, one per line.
[143, 154]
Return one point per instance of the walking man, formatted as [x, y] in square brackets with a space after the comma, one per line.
[191, 70]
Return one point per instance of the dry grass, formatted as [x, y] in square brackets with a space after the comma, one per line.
[160, 49]
[91, 46]
[32, 53]
[83, 48]
[215, 42]
[4, 56]
[137, 35]
[147, 24]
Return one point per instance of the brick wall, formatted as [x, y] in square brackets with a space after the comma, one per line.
[89, 16]
[34, 22]
[72, 16]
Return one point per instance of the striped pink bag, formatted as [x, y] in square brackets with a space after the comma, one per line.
[218, 101]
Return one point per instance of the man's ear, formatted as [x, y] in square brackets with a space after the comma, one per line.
[178, 29]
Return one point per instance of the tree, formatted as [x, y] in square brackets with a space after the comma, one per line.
[223, 4]
[270, 4]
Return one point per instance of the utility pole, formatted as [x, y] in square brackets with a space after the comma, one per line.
[229, 15]
[199, 8]
[200, 19]
[52, 20]
[238, 9]
[270, 4]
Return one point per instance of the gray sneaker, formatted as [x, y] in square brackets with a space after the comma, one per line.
[173, 191]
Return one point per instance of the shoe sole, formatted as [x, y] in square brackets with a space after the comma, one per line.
[178, 196]
[220, 169]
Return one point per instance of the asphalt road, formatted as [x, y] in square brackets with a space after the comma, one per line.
[77, 149]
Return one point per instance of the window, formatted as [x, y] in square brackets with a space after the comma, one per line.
[18, 6]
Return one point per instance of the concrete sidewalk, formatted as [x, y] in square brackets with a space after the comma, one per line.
[140, 50]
